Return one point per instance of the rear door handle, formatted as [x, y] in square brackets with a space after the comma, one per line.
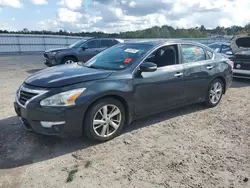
[209, 67]
[178, 74]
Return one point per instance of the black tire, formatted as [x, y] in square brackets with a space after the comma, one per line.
[88, 129]
[208, 101]
[66, 59]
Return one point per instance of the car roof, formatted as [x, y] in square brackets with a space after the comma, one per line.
[162, 42]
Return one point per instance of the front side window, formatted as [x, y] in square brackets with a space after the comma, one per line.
[77, 44]
[118, 57]
[92, 44]
[164, 56]
[106, 43]
[192, 53]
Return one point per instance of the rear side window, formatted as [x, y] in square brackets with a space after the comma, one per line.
[192, 53]
[107, 43]
[210, 54]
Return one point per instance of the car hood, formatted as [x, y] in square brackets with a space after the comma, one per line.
[56, 49]
[65, 75]
[240, 43]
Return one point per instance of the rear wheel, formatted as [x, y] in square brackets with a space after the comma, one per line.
[104, 120]
[68, 60]
[215, 93]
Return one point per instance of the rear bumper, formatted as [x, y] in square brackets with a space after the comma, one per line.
[229, 80]
[241, 73]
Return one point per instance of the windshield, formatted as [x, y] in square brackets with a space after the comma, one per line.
[245, 52]
[77, 44]
[119, 56]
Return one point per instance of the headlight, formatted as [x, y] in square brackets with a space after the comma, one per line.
[54, 53]
[63, 99]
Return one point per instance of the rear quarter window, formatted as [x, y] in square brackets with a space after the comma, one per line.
[210, 54]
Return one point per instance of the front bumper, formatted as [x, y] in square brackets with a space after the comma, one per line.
[33, 118]
[241, 73]
[50, 60]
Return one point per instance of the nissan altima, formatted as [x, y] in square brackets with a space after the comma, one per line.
[123, 83]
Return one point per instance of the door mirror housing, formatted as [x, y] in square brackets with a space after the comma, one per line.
[84, 48]
[148, 67]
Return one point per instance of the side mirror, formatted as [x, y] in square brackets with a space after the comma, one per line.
[84, 48]
[229, 53]
[148, 67]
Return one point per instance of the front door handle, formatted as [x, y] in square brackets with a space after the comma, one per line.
[209, 67]
[178, 74]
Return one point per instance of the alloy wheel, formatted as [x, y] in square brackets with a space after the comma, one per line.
[215, 93]
[107, 120]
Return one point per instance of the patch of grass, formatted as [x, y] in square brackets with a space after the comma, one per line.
[88, 164]
[71, 174]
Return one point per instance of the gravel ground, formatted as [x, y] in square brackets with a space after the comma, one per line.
[188, 147]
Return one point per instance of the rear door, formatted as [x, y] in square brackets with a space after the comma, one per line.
[199, 70]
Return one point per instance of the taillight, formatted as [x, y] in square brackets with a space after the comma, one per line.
[231, 63]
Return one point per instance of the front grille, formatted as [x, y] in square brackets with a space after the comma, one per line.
[27, 93]
[25, 96]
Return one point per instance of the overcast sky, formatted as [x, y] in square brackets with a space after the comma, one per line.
[120, 15]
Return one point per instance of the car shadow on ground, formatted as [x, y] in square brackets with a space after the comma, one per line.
[239, 83]
[19, 148]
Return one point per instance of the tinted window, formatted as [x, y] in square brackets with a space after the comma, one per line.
[215, 47]
[92, 44]
[77, 44]
[210, 54]
[107, 43]
[225, 49]
[192, 53]
[164, 56]
[119, 56]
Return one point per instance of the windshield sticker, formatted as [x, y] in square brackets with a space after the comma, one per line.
[130, 50]
[127, 60]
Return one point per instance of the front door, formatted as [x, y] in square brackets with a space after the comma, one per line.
[89, 50]
[163, 88]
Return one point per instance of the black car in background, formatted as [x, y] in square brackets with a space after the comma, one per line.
[82, 51]
[123, 83]
[238, 50]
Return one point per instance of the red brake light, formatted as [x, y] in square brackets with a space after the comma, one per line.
[231, 63]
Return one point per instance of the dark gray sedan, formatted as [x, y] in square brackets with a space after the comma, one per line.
[123, 83]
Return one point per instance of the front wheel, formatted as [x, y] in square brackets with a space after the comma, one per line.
[215, 93]
[68, 60]
[104, 120]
